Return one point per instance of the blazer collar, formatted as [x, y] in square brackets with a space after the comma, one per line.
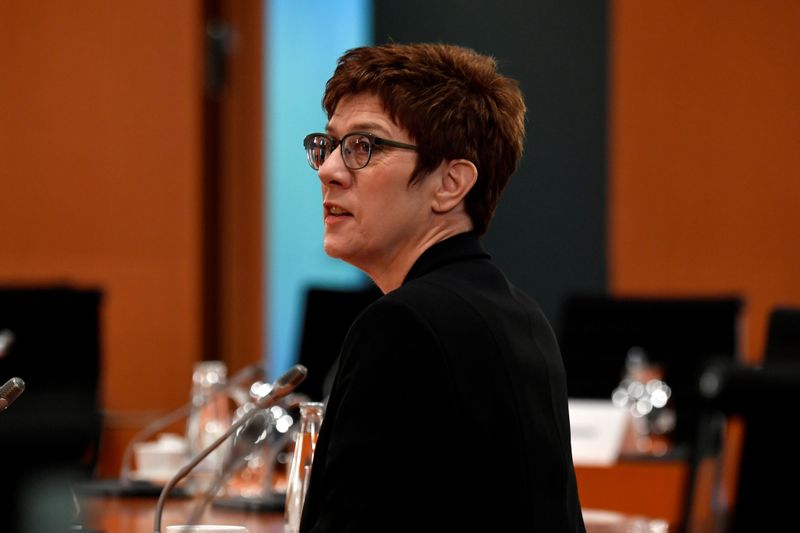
[456, 248]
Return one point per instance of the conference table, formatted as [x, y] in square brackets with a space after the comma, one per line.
[108, 514]
[637, 489]
[635, 486]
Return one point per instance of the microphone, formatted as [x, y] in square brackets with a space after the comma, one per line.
[247, 440]
[10, 391]
[282, 386]
[249, 372]
[125, 485]
[6, 340]
[272, 498]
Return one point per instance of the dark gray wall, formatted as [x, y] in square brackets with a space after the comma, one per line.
[549, 233]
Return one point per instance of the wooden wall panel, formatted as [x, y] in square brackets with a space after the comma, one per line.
[241, 159]
[100, 166]
[704, 180]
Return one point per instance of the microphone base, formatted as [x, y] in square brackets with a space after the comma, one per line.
[135, 488]
[267, 504]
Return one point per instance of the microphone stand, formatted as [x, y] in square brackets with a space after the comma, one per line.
[125, 486]
[179, 413]
[245, 442]
[271, 500]
[283, 386]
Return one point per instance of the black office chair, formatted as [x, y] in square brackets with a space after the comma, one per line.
[328, 315]
[783, 335]
[766, 398]
[50, 435]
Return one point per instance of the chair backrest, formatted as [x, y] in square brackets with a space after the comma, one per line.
[54, 427]
[768, 452]
[328, 315]
[783, 335]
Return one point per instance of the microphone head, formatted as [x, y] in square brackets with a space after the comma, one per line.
[10, 391]
[290, 380]
[284, 385]
[6, 340]
[249, 437]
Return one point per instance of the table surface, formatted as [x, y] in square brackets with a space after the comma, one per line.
[134, 515]
[612, 497]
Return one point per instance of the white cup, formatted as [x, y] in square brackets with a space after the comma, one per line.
[206, 529]
[160, 459]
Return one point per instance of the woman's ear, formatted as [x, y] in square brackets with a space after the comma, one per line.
[456, 177]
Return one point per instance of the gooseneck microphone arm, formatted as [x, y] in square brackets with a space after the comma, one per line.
[173, 416]
[282, 386]
[245, 442]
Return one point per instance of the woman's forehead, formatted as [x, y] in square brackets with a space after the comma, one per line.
[362, 111]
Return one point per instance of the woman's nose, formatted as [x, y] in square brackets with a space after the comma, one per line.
[333, 170]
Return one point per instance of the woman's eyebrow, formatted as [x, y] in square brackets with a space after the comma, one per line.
[370, 127]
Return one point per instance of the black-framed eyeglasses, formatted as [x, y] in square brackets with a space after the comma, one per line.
[356, 148]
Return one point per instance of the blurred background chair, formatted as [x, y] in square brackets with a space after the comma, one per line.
[50, 435]
[765, 399]
[327, 316]
[764, 491]
[783, 335]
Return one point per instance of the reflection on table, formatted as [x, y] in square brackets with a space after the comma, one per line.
[646, 480]
[134, 515]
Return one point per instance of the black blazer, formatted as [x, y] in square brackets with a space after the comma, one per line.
[448, 411]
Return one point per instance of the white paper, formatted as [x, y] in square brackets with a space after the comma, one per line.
[597, 428]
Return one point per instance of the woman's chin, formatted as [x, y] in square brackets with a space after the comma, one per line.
[333, 248]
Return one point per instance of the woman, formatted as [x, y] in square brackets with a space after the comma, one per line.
[449, 407]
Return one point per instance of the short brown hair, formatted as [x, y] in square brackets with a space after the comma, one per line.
[454, 104]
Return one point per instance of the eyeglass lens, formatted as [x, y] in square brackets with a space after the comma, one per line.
[317, 149]
[356, 150]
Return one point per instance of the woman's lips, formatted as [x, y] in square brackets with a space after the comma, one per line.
[334, 212]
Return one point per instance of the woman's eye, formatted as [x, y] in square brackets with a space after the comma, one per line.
[361, 145]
